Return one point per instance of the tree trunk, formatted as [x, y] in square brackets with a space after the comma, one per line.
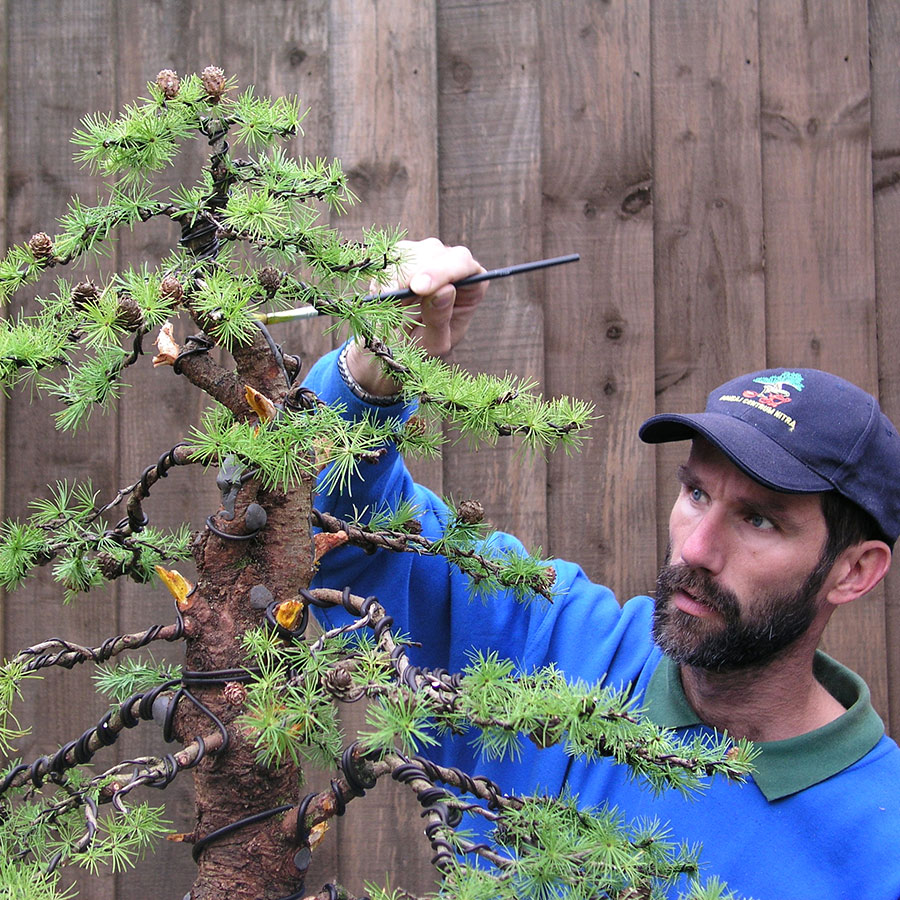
[254, 862]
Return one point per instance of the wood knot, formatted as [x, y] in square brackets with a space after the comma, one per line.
[615, 331]
[635, 201]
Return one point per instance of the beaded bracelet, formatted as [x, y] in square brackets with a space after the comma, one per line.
[357, 389]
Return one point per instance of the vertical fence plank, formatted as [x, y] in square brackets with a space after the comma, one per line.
[383, 106]
[55, 73]
[884, 53]
[818, 220]
[707, 219]
[596, 185]
[489, 116]
[382, 101]
[303, 66]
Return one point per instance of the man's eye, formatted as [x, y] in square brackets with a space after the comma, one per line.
[760, 522]
[696, 495]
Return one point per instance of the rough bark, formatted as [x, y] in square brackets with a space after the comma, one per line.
[256, 861]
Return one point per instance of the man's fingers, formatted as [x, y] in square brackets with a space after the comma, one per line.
[422, 284]
[436, 313]
[432, 265]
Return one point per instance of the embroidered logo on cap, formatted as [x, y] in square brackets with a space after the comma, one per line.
[775, 392]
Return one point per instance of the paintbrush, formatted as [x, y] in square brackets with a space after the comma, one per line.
[308, 312]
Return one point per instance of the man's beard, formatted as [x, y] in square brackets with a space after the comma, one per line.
[752, 638]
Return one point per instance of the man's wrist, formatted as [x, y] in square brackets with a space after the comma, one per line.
[365, 377]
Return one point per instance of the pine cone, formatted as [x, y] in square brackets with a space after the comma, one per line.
[171, 289]
[413, 526]
[129, 315]
[84, 293]
[41, 245]
[339, 680]
[270, 280]
[213, 79]
[110, 567]
[234, 693]
[168, 82]
[470, 511]
[416, 425]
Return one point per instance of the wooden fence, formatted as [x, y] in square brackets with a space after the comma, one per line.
[727, 171]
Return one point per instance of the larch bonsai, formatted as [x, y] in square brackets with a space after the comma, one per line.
[255, 696]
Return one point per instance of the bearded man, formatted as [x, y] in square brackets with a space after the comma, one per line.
[788, 507]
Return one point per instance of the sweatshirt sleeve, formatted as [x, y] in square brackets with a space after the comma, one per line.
[584, 631]
[431, 600]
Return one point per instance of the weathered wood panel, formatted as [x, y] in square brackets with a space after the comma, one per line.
[383, 84]
[709, 296]
[884, 53]
[596, 183]
[667, 142]
[489, 122]
[40, 180]
[819, 233]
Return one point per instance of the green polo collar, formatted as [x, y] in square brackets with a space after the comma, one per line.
[785, 767]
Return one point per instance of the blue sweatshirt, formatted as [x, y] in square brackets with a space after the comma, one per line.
[820, 818]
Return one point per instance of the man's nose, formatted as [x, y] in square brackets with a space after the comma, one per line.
[703, 547]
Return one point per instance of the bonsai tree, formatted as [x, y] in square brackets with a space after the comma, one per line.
[256, 696]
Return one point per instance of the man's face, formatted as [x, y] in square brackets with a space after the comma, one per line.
[743, 578]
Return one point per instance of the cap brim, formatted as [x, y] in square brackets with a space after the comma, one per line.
[763, 459]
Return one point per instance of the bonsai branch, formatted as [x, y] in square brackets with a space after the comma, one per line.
[478, 566]
[59, 652]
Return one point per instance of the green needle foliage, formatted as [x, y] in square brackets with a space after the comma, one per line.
[132, 676]
[68, 530]
[66, 826]
[254, 243]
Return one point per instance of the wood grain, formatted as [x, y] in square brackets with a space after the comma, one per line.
[598, 314]
[818, 202]
[489, 118]
[709, 294]
[40, 179]
[713, 163]
[382, 84]
[884, 54]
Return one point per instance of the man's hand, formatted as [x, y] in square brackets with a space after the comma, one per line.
[444, 311]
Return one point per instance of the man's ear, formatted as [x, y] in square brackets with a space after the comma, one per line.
[857, 570]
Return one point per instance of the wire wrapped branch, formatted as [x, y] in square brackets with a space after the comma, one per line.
[110, 787]
[359, 772]
[477, 566]
[477, 785]
[59, 652]
[223, 385]
[591, 720]
[179, 455]
[372, 614]
[158, 772]
[142, 706]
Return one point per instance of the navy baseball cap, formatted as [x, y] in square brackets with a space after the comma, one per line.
[800, 431]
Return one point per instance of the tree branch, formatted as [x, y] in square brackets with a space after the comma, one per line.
[59, 652]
